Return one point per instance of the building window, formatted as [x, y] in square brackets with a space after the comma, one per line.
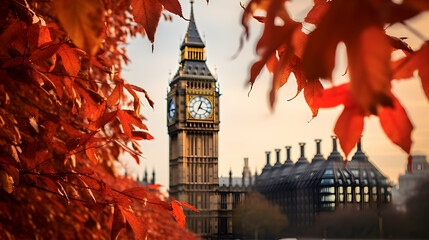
[355, 172]
[349, 194]
[329, 171]
[372, 173]
[328, 198]
[327, 181]
[338, 173]
[349, 197]
[327, 190]
[366, 198]
[347, 174]
[223, 203]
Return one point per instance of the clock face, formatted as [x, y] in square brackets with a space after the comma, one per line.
[171, 110]
[200, 107]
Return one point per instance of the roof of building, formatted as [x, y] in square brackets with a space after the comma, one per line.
[331, 172]
[192, 37]
[193, 68]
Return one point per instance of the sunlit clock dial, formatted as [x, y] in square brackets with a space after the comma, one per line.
[200, 107]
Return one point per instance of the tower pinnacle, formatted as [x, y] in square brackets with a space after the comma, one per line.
[192, 37]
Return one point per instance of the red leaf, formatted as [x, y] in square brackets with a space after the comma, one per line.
[189, 206]
[369, 68]
[79, 141]
[138, 226]
[103, 120]
[405, 67]
[118, 223]
[154, 186]
[398, 43]
[70, 60]
[317, 12]
[116, 94]
[125, 123]
[91, 153]
[396, 125]
[172, 6]
[136, 98]
[311, 90]
[178, 213]
[255, 70]
[139, 89]
[139, 135]
[147, 13]
[136, 192]
[45, 51]
[349, 128]
[334, 96]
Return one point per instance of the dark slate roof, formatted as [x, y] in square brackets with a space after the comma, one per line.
[195, 68]
[332, 172]
[192, 37]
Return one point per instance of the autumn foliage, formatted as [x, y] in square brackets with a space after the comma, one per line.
[287, 46]
[67, 115]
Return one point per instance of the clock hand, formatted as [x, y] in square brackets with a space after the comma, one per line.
[199, 106]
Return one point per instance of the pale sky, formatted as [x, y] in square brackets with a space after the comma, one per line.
[248, 127]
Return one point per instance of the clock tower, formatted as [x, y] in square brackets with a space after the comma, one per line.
[193, 126]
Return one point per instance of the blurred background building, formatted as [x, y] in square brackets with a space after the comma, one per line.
[408, 181]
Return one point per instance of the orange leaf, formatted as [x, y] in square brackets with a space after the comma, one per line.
[140, 135]
[178, 213]
[349, 128]
[70, 60]
[138, 226]
[45, 51]
[154, 186]
[136, 98]
[334, 96]
[172, 6]
[147, 13]
[316, 13]
[369, 68]
[311, 90]
[102, 120]
[91, 153]
[189, 206]
[396, 125]
[83, 20]
[405, 67]
[116, 94]
[139, 89]
[118, 223]
[136, 192]
[125, 123]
